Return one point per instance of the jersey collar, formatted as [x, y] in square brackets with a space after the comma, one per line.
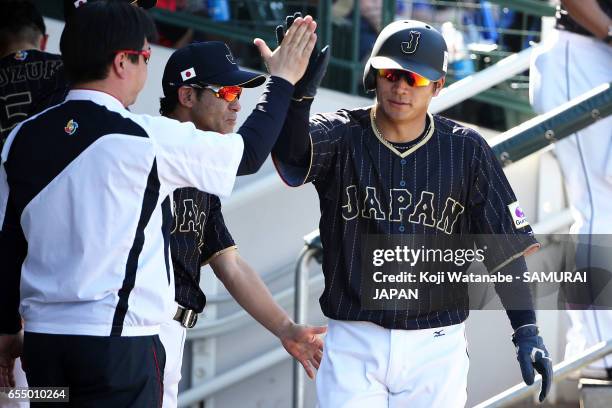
[99, 97]
[390, 146]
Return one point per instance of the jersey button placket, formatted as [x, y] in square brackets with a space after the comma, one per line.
[402, 183]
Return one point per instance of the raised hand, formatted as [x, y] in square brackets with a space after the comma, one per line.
[290, 60]
[305, 345]
[306, 87]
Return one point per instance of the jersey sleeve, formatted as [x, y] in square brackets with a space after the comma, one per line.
[325, 132]
[496, 217]
[217, 238]
[188, 157]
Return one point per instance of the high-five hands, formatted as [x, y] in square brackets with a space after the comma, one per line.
[290, 60]
[306, 87]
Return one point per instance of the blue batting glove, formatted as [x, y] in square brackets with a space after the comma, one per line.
[532, 354]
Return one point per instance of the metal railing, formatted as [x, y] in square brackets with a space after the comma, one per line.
[553, 126]
[475, 84]
[560, 371]
[312, 250]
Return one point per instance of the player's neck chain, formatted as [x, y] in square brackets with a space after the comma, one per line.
[427, 132]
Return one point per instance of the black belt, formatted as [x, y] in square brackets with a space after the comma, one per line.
[186, 317]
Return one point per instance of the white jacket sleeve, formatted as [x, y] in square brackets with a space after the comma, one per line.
[188, 157]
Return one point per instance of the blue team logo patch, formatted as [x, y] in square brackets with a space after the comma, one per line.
[21, 55]
[71, 127]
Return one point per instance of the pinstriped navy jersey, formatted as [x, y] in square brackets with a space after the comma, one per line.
[447, 181]
[198, 234]
[27, 78]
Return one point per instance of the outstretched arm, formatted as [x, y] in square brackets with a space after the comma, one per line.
[246, 286]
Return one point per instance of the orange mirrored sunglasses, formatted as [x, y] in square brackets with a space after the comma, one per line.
[394, 75]
[227, 93]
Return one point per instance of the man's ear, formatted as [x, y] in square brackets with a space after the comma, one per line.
[42, 44]
[438, 85]
[118, 65]
[186, 96]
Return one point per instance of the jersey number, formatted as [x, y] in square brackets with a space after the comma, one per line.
[14, 109]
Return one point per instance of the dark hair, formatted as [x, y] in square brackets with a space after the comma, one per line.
[96, 31]
[70, 6]
[168, 103]
[19, 21]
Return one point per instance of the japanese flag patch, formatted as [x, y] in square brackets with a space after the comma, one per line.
[518, 216]
[445, 63]
[188, 74]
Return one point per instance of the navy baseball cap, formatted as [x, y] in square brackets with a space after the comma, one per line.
[206, 63]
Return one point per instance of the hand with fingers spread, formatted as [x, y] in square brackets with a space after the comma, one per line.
[10, 348]
[306, 87]
[304, 344]
[290, 60]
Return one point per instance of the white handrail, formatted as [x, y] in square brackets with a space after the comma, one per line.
[481, 81]
[208, 388]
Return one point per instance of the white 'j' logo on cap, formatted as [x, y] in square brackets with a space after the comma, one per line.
[410, 46]
[188, 74]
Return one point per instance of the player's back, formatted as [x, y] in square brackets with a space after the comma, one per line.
[28, 79]
[88, 198]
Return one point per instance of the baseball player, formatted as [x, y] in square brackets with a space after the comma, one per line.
[210, 99]
[28, 74]
[393, 168]
[84, 239]
[574, 58]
